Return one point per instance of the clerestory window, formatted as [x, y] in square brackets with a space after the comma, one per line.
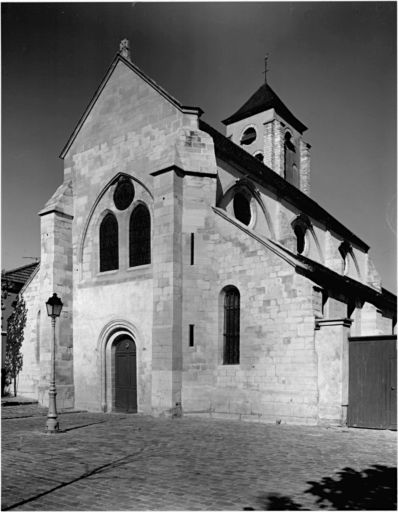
[300, 238]
[242, 210]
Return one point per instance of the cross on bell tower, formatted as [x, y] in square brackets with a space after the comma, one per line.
[270, 132]
[265, 67]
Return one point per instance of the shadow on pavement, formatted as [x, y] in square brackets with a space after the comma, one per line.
[374, 488]
[81, 426]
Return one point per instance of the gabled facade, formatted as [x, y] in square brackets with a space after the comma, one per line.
[198, 278]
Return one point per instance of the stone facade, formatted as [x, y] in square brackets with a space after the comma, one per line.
[219, 218]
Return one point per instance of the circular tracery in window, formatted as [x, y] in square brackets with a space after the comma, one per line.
[248, 136]
[242, 210]
[124, 193]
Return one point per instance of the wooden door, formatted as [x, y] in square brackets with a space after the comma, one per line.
[372, 382]
[125, 376]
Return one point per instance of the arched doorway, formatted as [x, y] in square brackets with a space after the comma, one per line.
[125, 374]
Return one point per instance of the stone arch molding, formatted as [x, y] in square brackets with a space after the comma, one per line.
[305, 223]
[248, 187]
[110, 183]
[109, 333]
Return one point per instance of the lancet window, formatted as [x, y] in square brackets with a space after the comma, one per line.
[140, 236]
[231, 326]
[109, 243]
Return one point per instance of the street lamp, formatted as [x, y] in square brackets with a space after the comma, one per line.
[54, 307]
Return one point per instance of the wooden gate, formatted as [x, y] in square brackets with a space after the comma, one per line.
[125, 375]
[372, 393]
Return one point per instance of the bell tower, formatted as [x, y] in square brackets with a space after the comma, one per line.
[267, 129]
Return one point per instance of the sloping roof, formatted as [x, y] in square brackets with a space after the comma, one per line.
[250, 166]
[318, 273]
[19, 276]
[119, 58]
[329, 279]
[264, 99]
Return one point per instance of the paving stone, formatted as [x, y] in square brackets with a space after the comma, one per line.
[134, 462]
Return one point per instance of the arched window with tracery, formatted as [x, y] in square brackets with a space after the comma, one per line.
[109, 243]
[140, 236]
[231, 331]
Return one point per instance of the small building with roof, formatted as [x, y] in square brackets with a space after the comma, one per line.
[13, 282]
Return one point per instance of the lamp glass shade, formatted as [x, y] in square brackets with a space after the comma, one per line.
[54, 306]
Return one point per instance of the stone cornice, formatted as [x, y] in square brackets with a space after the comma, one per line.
[333, 322]
[56, 211]
[377, 337]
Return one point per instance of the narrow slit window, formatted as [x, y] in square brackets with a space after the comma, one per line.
[290, 157]
[192, 248]
[191, 335]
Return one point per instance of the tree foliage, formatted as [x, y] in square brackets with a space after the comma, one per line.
[15, 336]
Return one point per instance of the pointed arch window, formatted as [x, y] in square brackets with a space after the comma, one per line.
[231, 326]
[109, 243]
[140, 236]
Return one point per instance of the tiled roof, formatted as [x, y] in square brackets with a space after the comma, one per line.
[318, 273]
[235, 155]
[18, 276]
[264, 99]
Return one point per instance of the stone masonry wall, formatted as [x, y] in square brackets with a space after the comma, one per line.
[97, 306]
[167, 295]
[56, 276]
[131, 129]
[305, 167]
[276, 379]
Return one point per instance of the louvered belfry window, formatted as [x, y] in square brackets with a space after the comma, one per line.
[231, 326]
[109, 243]
[140, 236]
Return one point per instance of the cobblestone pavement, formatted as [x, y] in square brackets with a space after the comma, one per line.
[134, 462]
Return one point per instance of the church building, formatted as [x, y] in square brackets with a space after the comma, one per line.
[198, 276]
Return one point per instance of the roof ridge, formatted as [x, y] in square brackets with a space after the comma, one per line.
[264, 174]
[265, 98]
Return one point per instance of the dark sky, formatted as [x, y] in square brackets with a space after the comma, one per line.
[333, 64]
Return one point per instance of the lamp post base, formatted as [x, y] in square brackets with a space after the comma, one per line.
[52, 426]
